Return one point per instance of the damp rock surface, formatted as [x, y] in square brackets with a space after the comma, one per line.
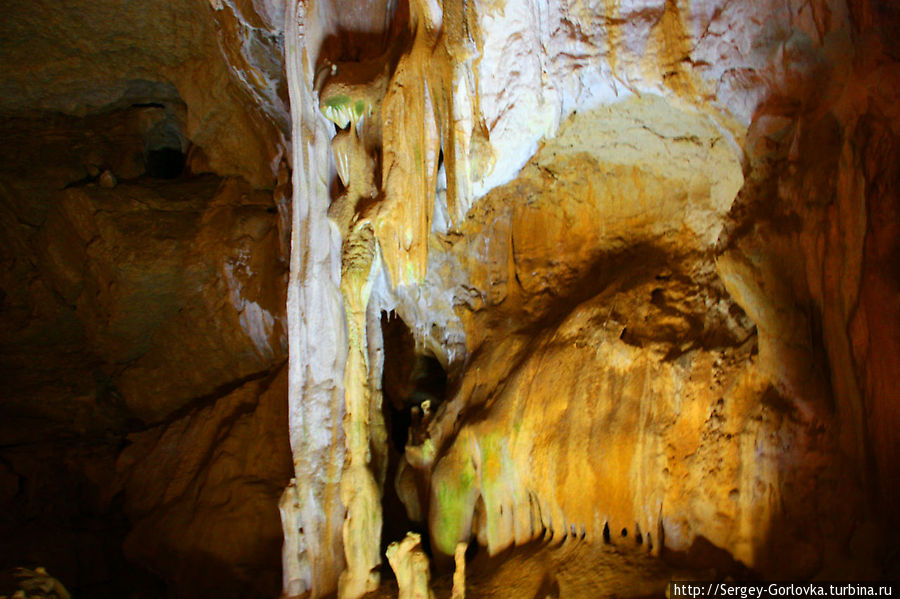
[633, 236]
[605, 291]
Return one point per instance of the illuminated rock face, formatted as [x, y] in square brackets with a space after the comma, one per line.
[645, 241]
[641, 256]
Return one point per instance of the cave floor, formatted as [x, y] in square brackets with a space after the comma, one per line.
[571, 570]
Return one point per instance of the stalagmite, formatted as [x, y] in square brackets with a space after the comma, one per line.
[293, 569]
[359, 491]
[410, 565]
[459, 574]
[392, 112]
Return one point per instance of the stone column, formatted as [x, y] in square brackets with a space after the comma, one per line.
[312, 511]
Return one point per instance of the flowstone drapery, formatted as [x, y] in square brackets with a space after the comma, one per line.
[575, 188]
[391, 113]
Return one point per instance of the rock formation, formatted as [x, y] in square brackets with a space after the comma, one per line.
[618, 228]
[411, 568]
[201, 492]
[459, 572]
[38, 584]
[610, 283]
[145, 215]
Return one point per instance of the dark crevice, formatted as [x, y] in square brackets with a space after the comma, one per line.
[165, 163]
[82, 182]
[413, 385]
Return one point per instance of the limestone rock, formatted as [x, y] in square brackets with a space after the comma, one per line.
[613, 256]
[107, 180]
[162, 53]
[121, 307]
[650, 245]
[808, 281]
[202, 493]
[38, 584]
[459, 572]
[137, 266]
[317, 335]
[410, 565]
[134, 292]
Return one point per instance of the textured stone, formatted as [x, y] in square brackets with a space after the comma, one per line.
[137, 266]
[410, 565]
[38, 584]
[106, 56]
[631, 251]
[459, 572]
[805, 255]
[122, 307]
[650, 245]
[202, 493]
[317, 334]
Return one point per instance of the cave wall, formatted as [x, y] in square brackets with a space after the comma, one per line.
[144, 202]
[649, 250]
[644, 239]
[201, 492]
[85, 57]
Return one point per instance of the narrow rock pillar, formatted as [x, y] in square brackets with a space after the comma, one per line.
[360, 493]
[459, 574]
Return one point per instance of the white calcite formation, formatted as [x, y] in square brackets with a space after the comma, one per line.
[317, 334]
[590, 171]
[644, 253]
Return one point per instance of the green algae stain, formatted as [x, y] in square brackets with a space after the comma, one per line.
[455, 499]
[337, 102]
[466, 478]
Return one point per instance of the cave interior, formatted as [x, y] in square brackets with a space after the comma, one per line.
[446, 298]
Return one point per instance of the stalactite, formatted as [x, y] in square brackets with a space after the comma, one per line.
[430, 107]
[349, 98]
[399, 116]
[611, 153]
